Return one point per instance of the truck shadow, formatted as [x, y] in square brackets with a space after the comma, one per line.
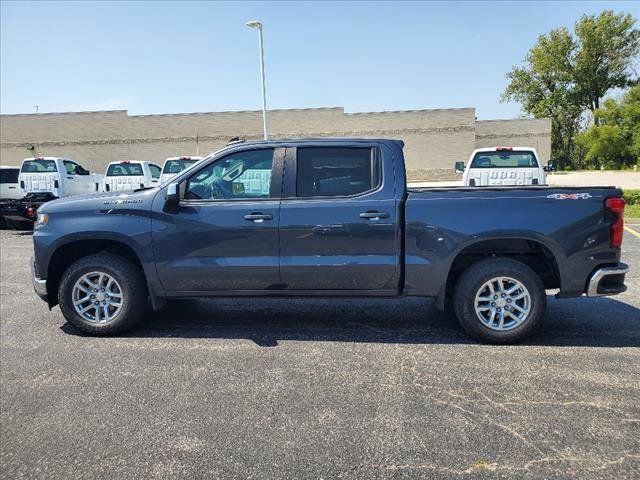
[596, 322]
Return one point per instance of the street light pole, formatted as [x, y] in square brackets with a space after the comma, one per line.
[258, 25]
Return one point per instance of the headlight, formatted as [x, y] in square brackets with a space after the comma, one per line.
[42, 220]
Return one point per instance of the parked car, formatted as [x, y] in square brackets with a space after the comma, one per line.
[131, 175]
[332, 218]
[43, 179]
[503, 166]
[174, 165]
[9, 192]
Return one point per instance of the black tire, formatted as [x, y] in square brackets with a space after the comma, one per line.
[128, 276]
[472, 280]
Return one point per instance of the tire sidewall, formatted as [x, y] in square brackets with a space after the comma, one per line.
[122, 272]
[476, 276]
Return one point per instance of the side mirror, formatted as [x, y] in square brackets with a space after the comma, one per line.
[172, 199]
[551, 166]
[459, 167]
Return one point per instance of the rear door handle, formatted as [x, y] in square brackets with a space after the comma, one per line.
[373, 215]
[258, 217]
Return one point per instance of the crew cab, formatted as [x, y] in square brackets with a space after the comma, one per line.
[502, 166]
[327, 217]
[131, 175]
[174, 165]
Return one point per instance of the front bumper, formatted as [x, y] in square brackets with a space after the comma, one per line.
[39, 285]
[607, 281]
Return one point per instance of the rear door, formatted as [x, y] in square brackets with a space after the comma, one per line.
[339, 220]
[224, 238]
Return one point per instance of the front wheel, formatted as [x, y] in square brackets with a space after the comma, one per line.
[102, 294]
[499, 300]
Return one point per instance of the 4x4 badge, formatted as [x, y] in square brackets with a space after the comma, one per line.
[569, 196]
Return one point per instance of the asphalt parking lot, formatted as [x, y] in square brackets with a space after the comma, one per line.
[258, 388]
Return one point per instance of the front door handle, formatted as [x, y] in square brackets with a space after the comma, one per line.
[374, 215]
[258, 217]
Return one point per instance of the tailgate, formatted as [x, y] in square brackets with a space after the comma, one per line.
[39, 182]
[121, 183]
[503, 177]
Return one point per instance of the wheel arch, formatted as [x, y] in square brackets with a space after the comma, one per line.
[72, 248]
[531, 249]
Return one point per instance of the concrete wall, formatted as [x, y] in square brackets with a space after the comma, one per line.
[434, 139]
[534, 133]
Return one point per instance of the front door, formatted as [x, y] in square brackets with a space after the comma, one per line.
[339, 221]
[225, 234]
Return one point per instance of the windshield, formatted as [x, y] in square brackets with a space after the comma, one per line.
[36, 166]
[124, 169]
[176, 166]
[504, 159]
[9, 175]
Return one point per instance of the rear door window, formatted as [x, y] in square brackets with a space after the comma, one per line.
[336, 171]
[39, 166]
[124, 169]
[504, 159]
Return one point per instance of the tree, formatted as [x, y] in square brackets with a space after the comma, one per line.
[606, 47]
[614, 141]
[564, 75]
[544, 88]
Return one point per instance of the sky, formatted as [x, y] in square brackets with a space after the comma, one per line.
[171, 57]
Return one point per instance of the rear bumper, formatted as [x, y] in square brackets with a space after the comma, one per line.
[607, 280]
[39, 285]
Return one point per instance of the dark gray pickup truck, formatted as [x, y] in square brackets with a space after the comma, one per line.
[327, 217]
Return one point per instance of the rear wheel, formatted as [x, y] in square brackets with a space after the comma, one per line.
[102, 294]
[499, 300]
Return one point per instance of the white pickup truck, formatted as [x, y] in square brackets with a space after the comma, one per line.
[61, 177]
[174, 165]
[131, 175]
[503, 166]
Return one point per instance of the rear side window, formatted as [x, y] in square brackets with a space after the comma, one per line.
[124, 169]
[504, 159]
[36, 166]
[155, 170]
[9, 175]
[336, 171]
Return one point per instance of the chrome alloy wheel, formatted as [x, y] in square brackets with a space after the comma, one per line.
[502, 303]
[97, 297]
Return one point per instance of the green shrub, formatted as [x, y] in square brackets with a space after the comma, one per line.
[631, 197]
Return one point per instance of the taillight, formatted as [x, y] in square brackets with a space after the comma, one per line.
[56, 184]
[472, 182]
[31, 212]
[616, 205]
[107, 187]
[22, 184]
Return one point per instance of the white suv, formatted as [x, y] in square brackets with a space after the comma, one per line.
[502, 166]
[9, 184]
